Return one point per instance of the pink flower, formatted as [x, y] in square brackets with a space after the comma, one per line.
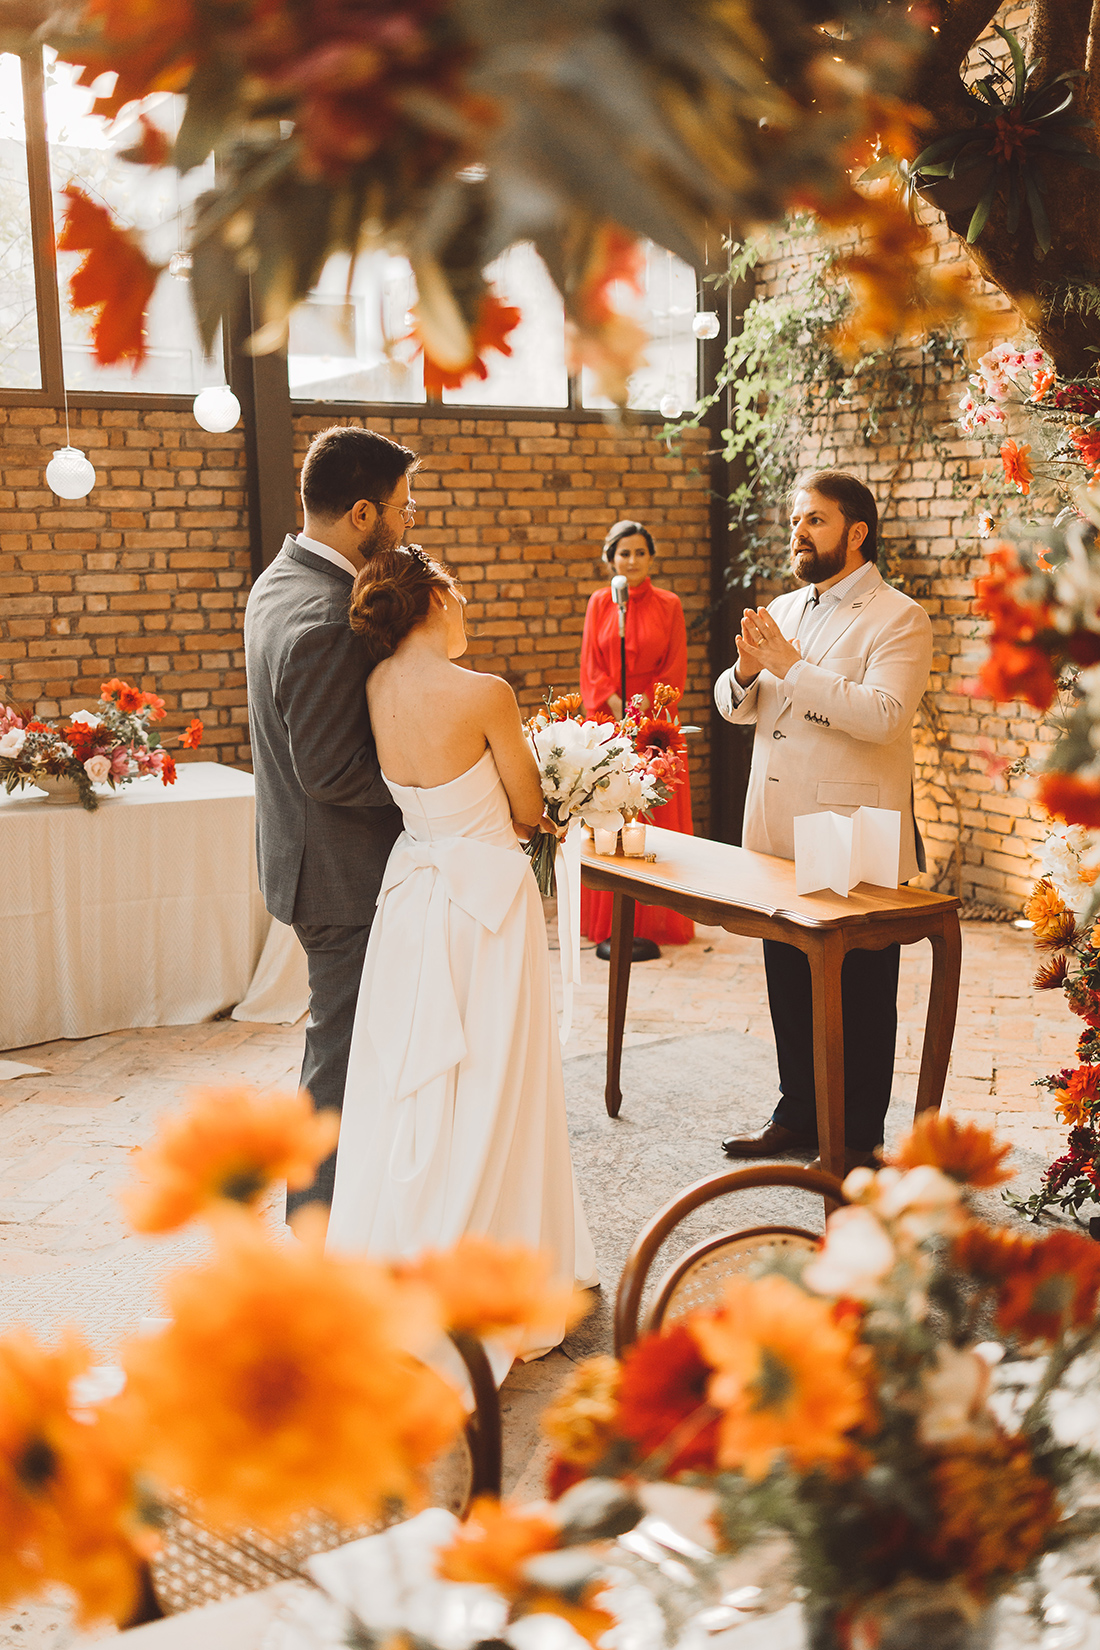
[97, 768]
[156, 759]
[1034, 358]
[120, 761]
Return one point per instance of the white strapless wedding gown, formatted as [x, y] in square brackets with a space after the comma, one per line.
[454, 1110]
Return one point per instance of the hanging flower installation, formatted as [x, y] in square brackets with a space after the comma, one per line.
[450, 131]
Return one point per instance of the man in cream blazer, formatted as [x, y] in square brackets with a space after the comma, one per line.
[831, 675]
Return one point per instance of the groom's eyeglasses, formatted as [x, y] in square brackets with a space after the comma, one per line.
[408, 511]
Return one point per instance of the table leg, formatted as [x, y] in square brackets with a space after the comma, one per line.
[939, 1022]
[618, 984]
[826, 960]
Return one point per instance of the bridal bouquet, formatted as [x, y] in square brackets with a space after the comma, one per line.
[111, 745]
[915, 1405]
[590, 770]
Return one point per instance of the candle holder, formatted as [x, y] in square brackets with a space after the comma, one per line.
[605, 842]
[634, 839]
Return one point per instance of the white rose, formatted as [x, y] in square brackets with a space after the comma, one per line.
[12, 743]
[855, 1257]
[97, 768]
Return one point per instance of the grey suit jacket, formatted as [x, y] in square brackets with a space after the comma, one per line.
[325, 821]
[840, 732]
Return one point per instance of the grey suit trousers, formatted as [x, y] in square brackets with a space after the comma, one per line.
[335, 956]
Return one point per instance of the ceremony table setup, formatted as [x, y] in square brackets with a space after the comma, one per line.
[145, 912]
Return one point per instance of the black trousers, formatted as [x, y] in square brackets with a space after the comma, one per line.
[335, 958]
[869, 997]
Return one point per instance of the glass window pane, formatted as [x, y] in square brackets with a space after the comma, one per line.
[666, 308]
[338, 337]
[84, 151]
[20, 366]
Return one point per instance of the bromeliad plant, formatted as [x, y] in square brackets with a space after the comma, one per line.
[1016, 121]
[849, 1398]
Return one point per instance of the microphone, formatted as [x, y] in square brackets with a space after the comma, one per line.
[618, 591]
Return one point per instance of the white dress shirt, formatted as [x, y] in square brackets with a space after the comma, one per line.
[813, 616]
[327, 553]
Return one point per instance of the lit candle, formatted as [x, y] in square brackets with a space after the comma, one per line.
[634, 839]
[605, 841]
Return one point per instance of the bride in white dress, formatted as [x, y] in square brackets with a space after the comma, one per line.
[454, 1110]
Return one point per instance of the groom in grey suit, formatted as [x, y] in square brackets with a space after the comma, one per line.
[325, 821]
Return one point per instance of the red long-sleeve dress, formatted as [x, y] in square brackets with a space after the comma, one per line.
[656, 651]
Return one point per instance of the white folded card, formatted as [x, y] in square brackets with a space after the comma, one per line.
[835, 851]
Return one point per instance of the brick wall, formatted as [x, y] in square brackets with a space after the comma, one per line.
[929, 500]
[148, 577]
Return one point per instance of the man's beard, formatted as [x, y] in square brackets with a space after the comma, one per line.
[382, 536]
[815, 566]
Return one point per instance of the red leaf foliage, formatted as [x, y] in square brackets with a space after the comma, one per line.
[115, 278]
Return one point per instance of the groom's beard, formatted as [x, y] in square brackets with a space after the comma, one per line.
[813, 566]
[382, 536]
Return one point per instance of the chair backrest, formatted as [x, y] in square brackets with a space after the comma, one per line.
[695, 1279]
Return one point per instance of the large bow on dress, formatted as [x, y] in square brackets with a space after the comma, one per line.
[413, 1017]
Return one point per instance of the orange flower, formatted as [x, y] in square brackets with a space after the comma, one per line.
[115, 279]
[494, 322]
[127, 698]
[1065, 797]
[580, 1418]
[230, 1145]
[787, 1378]
[1056, 1288]
[666, 697]
[1012, 672]
[995, 1511]
[991, 1253]
[311, 1397]
[997, 597]
[492, 1548]
[663, 1400]
[1050, 975]
[155, 705]
[168, 770]
[1087, 443]
[964, 1151]
[488, 1288]
[1046, 910]
[191, 737]
[1017, 465]
[69, 1512]
[1041, 383]
[1075, 1100]
[152, 45]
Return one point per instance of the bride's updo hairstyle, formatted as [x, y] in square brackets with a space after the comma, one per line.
[392, 593]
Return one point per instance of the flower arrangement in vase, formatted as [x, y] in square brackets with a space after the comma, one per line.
[116, 742]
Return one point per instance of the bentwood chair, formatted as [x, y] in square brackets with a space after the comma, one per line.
[695, 1281]
[197, 1566]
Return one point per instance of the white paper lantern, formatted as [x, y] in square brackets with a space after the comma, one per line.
[69, 473]
[217, 409]
[670, 406]
[706, 324]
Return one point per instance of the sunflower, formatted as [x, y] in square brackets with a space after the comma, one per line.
[580, 1419]
[995, 1512]
[963, 1151]
[787, 1377]
[1056, 1288]
[1046, 911]
[286, 1382]
[230, 1145]
[493, 1547]
[487, 1288]
[69, 1511]
[1076, 1099]
[663, 1401]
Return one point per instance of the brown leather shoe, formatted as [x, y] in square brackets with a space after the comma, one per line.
[853, 1160]
[771, 1141]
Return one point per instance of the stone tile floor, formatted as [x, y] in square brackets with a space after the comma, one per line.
[65, 1136]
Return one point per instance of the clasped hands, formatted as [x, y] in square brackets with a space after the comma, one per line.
[761, 645]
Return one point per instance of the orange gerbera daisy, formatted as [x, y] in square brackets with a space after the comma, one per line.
[788, 1378]
[69, 1512]
[995, 1511]
[310, 1394]
[1046, 909]
[964, 1151]
[1055, 1289]
[1075, 1100]
[580, 1418]
[663, 1401]
[489, 1288]
[493, 1548]
[230, 1145]
[191, 737]
[1017, 465]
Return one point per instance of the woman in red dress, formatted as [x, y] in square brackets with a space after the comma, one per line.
[656, 651]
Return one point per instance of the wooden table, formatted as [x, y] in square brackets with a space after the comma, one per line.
[753, 894]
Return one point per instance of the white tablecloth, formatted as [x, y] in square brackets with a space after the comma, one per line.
[146, 912]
